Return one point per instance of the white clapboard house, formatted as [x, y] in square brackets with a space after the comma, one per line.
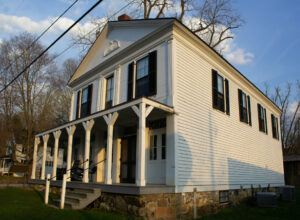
[154, 107]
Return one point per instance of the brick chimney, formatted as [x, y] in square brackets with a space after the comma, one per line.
[124, 17]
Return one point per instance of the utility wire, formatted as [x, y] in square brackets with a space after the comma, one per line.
[39, 37]
[94, 29]
[51, 45]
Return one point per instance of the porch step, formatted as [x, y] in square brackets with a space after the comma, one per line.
[79, 198]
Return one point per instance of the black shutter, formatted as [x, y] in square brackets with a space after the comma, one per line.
[90, 96]
[277, 128]
[266, 123]
[227, 97]
[152, 72]
[240, 94]
[249, 110]
[77, 104]
[130, 82]
[273, 126]
[259, 119]
[215, 88]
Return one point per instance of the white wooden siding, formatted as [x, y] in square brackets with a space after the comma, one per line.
[216, 151]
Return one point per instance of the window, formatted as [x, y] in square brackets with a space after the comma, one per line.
[245, 107]
[153, 147]
[109, 92]
[275, 127]
[163, 146]
[143, 83]
[223, 196]
[142, 79]
[262, 119]
[84, 102]
[219, 96]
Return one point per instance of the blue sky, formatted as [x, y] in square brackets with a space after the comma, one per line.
[265, 49]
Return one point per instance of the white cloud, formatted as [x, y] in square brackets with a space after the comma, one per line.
[239, 56]
[1, 41]
[227, 48]
[13, 24]
[292, 108]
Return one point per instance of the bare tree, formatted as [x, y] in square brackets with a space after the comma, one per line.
[290, 117]
[212, 20]
[24, 95]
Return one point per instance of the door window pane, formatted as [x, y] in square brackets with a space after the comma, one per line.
[153, 147]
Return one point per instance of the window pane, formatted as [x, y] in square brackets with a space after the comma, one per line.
[84, 95]
[163, 147]
[220, 84]
[142, 68]
[109, 90]
[244, 100]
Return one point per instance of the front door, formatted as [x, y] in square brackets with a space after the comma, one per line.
[128, 159]
[156, 157]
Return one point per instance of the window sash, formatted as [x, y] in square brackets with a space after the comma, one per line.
[109, 92]
[142, 68]
[153, 147]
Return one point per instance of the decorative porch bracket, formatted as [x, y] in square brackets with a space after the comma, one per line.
[45, 139]
[37, 141]
[110, 120]
[142, 112]
[88, 125]
[56, 135]
[70, 131]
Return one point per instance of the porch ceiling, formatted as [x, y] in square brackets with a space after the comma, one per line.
[126, 114]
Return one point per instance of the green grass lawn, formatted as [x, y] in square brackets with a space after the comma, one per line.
[285, 210]
[28, 204]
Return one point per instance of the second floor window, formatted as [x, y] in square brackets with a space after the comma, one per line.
[86, 101]
[275, 127]
[109, 92]
[262, 119]
[142, 77]
[220, 96]
[245, 107]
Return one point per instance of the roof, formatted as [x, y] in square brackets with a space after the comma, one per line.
[291, 158]
[186, 29]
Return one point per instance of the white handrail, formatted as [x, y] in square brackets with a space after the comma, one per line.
[47, 189]
[63, 192]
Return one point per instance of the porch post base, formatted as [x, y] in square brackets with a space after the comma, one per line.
[141, 182]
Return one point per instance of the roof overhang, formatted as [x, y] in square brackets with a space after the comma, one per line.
[127, 105]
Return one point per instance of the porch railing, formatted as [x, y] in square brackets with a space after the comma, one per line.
[64, 182]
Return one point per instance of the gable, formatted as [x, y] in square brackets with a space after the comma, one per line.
[115, 37]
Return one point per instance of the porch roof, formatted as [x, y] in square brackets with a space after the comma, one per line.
[116, 108]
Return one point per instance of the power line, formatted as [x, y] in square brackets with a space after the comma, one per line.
[94, 29]
[51, 45]
[54, 22]
[62, 14]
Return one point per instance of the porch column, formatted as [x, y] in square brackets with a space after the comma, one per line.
[88, 125]
[35, 149]
[56, 135]
[70, 131]
[45, 139]
[71, 114]
[110, 120]
[142, 112]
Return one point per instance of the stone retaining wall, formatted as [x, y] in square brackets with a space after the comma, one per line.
[168, 206]
[171, 206]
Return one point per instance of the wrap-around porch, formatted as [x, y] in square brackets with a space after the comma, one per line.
[123, 132]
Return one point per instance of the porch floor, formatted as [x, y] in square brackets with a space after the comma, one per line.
[121, 188]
